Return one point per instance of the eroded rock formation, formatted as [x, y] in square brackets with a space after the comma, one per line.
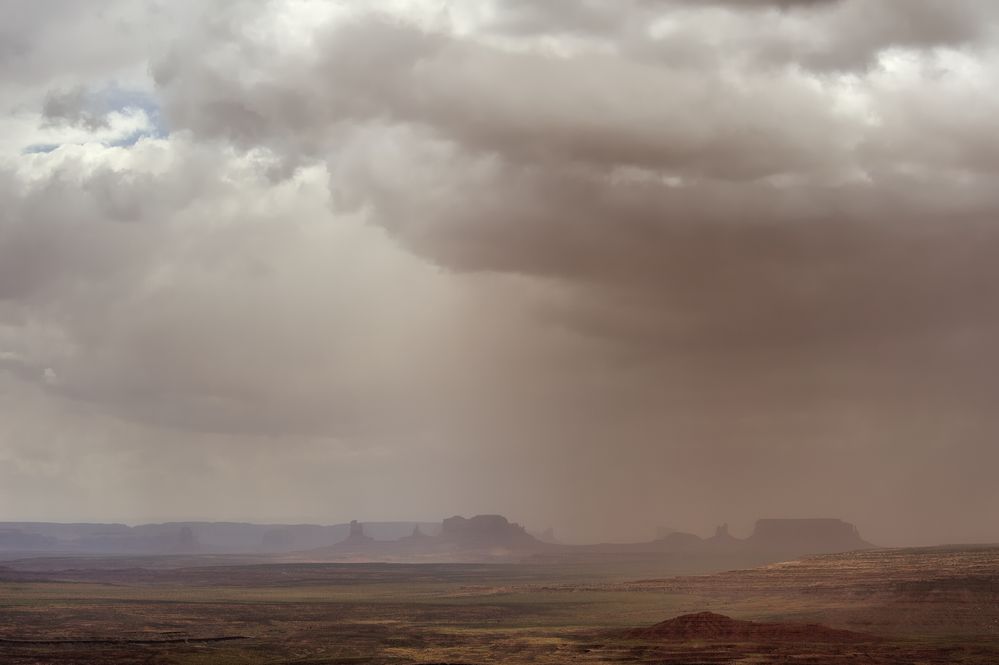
[708, 627]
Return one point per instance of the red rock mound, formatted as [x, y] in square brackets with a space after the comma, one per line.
[711, 627]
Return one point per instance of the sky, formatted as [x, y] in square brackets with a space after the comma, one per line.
[601, 265]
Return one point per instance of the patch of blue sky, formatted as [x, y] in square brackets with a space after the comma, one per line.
[40, 148]
[116, 98]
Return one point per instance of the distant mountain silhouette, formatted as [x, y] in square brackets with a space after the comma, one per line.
[202, 537]
[477, 538]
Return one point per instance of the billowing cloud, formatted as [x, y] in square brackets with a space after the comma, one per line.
[627, 257]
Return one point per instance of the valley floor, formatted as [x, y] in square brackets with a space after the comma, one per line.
[936, 605]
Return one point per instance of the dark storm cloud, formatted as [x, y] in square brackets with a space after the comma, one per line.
[524, 107]
[75, 107]
[534, 178]
[640, 255]
[601, 16]
[825, 34]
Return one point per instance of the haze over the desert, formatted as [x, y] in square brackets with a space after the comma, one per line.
[666, 263]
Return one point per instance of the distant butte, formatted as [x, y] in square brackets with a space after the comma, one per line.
[807, 536]
[486, 530]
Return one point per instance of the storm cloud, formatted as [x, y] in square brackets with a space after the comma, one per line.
[598, 265]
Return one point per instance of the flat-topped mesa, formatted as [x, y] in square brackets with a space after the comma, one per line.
[807, 536]
[485, 530]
